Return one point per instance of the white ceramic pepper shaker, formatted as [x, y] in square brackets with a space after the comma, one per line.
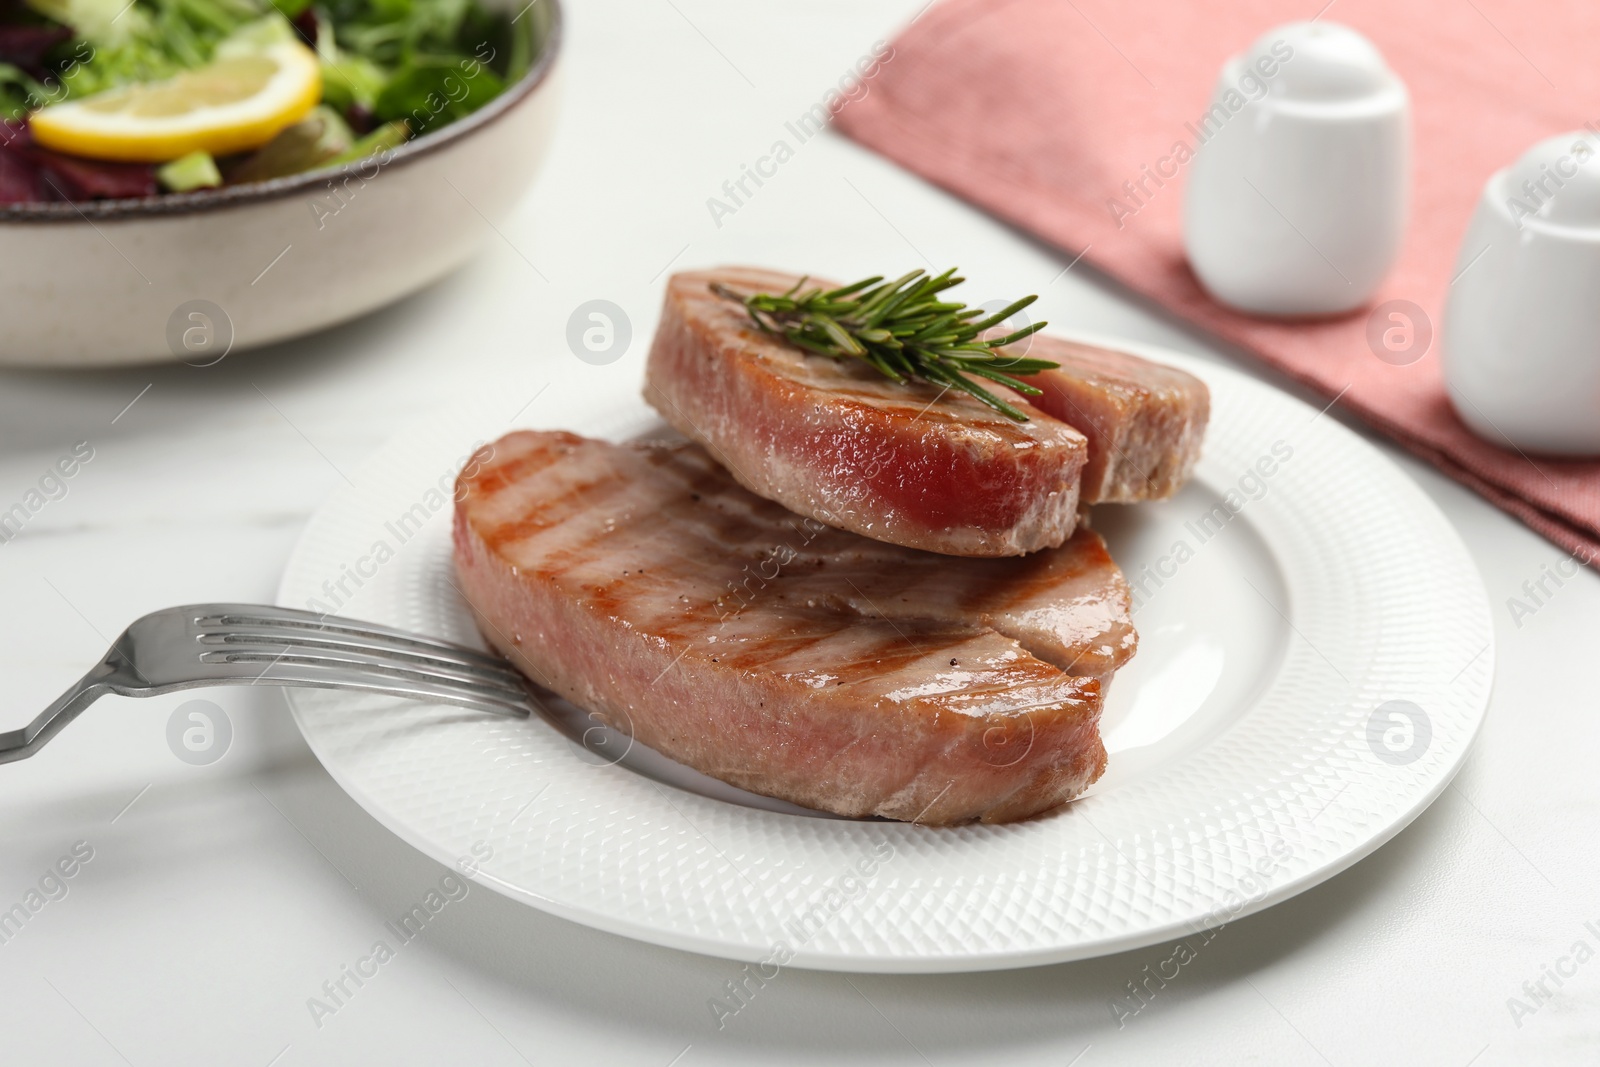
[1300, 188]
[1521, 336]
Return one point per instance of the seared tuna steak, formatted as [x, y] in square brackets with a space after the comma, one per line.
[835, 440]
[782, 655]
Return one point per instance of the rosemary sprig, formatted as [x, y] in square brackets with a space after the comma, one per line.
[903, 330]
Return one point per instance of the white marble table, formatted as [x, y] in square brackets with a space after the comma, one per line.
[219, 899]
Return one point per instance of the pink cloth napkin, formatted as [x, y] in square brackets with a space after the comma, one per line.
[1040, 110]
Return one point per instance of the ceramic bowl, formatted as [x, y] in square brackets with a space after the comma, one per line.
[192, 276]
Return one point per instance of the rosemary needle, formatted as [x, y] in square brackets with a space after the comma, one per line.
[903, 330]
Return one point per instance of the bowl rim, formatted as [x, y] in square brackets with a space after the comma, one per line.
[202, 200]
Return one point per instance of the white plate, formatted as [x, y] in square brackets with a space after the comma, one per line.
[1311, 674]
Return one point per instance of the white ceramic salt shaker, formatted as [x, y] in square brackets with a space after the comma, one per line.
[1301, 180]
[1521, 336]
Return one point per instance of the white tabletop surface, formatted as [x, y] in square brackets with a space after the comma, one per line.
[219, 899]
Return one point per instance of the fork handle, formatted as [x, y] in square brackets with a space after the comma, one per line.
[20, 744]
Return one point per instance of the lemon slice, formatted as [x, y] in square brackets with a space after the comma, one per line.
[239, 101]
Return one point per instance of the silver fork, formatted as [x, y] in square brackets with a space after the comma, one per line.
[252, 644]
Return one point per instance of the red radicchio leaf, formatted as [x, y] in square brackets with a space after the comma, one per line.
[63, 177]
[305, 24]
[19, 178]
[93, 179]
[25, 46]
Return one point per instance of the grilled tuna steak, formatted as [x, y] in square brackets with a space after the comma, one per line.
[782, 655]
[837, 441]
[1144, 420]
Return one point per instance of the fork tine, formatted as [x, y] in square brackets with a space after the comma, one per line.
[286, 644]
[293, 620]
[332, 674]
[325, 677]
[264, 637]
[271, 659]
[317, 678]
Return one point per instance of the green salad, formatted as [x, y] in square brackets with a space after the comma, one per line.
[110, 98]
